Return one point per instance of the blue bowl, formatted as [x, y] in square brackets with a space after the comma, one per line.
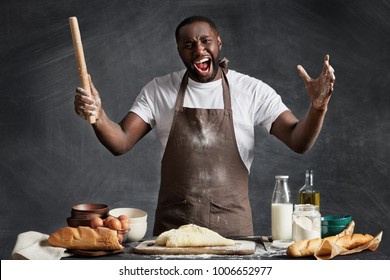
[336, 220]
[331, 230]
[334, 224]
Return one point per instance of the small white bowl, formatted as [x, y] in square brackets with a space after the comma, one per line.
[135, 215]
[138, 222]
[137, 231]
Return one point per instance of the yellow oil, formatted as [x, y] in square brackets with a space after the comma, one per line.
[310, 198]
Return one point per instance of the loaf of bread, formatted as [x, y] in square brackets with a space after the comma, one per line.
[306, 248]
[85, 238]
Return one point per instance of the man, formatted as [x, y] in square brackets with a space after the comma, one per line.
[205, 117]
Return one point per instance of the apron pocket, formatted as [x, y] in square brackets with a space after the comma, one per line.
[230, 222]
[171, 216]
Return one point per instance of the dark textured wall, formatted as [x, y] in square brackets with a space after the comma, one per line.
[50, 159]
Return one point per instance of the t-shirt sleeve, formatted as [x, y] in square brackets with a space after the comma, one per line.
[269, 106]
[143, 105]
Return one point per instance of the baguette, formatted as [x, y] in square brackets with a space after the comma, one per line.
[306, 248]
[85, 238]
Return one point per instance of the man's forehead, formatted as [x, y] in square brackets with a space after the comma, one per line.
[196, 30]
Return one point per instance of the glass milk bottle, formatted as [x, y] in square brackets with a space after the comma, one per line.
[281, 210]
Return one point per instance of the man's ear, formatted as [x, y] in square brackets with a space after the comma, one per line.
[219, 42]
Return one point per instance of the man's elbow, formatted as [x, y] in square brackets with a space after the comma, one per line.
[301, 149]
[116, 151]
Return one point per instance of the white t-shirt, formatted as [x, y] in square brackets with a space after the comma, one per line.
[254, 103]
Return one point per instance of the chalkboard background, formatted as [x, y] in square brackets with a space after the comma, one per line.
[50, 158]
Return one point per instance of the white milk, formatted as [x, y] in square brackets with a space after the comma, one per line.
[281, 214]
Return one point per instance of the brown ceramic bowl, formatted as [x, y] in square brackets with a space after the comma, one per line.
[89, 211]
[89, 216]
[75, 222]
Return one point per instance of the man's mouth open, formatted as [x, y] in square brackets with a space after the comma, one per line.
[202, 66]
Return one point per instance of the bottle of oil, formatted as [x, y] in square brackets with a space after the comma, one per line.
[308, 194]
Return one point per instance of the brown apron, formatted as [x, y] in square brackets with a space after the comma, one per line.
[203, 178]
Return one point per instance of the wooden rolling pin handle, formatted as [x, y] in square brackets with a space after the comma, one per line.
[80, 59]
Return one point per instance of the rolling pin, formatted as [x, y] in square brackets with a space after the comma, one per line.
[80, 60]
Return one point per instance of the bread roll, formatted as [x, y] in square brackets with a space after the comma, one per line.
[85, 238]
[306, 248]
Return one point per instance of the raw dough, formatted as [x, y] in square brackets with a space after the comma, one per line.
[192, 236]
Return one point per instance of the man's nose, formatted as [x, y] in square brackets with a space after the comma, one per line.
[199, 48]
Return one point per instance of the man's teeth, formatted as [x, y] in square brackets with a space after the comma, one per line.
[203, 60]
[203, 65]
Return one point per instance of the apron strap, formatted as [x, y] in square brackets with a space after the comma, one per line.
[182, 90]
[226, 91]
[223, 63]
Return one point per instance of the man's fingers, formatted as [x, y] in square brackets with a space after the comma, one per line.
[328, 70]
[332, 75]
[84, 102]
[302, 72]
[81, 97]
[326, 59]
[81, 91]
